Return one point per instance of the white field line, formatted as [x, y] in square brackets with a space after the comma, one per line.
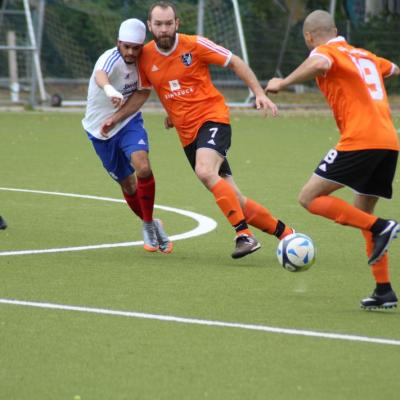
[205, 225]
[195, 321]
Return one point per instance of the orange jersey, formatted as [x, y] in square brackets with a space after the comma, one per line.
[354, 88]
[183, 83]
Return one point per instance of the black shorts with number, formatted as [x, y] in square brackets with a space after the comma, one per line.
[368, 172]
[215, 136]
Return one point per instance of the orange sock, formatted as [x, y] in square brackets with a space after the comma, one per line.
[261, 218]
[341, 212]
[228, 202]
[380, 270]
[287, 231]
[258, 216]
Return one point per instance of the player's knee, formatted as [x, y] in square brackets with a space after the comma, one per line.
[141, 164]
[304, 199]
[204, 174]
[143, 170]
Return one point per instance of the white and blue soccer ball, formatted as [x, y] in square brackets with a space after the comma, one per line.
[296, 252]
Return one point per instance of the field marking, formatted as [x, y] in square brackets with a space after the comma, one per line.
[205, 225]
[204, 322]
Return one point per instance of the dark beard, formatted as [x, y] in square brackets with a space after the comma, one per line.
[165, 42]
[126, 62]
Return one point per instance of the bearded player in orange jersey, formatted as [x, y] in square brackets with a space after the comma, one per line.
[177, 67]
[366, 156]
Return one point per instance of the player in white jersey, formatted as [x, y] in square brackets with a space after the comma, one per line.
[124, 149]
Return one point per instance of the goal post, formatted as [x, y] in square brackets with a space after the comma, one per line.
[36, 56]
[242, 41]
[20, 66]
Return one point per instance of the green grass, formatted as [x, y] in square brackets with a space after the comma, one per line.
[54, 354]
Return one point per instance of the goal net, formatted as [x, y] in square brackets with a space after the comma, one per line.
[76, 33]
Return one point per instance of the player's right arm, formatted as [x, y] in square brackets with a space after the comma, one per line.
[103, 82]
[315, 65]
[131, 106]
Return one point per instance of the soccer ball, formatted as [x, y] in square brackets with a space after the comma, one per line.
[296, 252]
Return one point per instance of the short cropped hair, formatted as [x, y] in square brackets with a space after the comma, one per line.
[163, 4]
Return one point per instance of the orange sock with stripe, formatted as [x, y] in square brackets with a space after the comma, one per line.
[380, 270]
[228, 202]
[261, 218]
[341, 212]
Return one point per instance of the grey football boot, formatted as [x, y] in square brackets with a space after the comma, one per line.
[165, 245]
[149, 237]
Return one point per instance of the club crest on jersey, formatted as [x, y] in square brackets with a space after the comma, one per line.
[186, 59]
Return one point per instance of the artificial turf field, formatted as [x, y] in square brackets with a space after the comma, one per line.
[99, 324]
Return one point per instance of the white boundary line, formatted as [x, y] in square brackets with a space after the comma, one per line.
[205, 225]
[204, 322]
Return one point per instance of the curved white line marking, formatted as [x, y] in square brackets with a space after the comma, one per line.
[205, 225]
[204, 322]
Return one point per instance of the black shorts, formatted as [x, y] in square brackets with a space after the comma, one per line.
[368, 172]
[215, 136]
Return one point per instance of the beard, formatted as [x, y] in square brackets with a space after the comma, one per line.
[128, 59]
[165, 42]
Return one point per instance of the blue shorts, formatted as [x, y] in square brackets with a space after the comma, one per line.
[115, 153]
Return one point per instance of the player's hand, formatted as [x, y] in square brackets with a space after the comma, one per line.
[117, 102]
[262, 102]
[116, 97]
[274, 85]
[168, 124]
[107, 126]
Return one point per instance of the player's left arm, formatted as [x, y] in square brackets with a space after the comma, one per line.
[245, 73]
[388, 68]
[131, 106]
[312, 67]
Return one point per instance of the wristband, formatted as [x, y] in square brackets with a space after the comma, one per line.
[110, 91]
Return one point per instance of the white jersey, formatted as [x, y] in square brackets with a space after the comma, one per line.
[123, 77]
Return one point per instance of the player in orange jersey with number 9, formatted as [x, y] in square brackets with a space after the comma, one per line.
[365, 157]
